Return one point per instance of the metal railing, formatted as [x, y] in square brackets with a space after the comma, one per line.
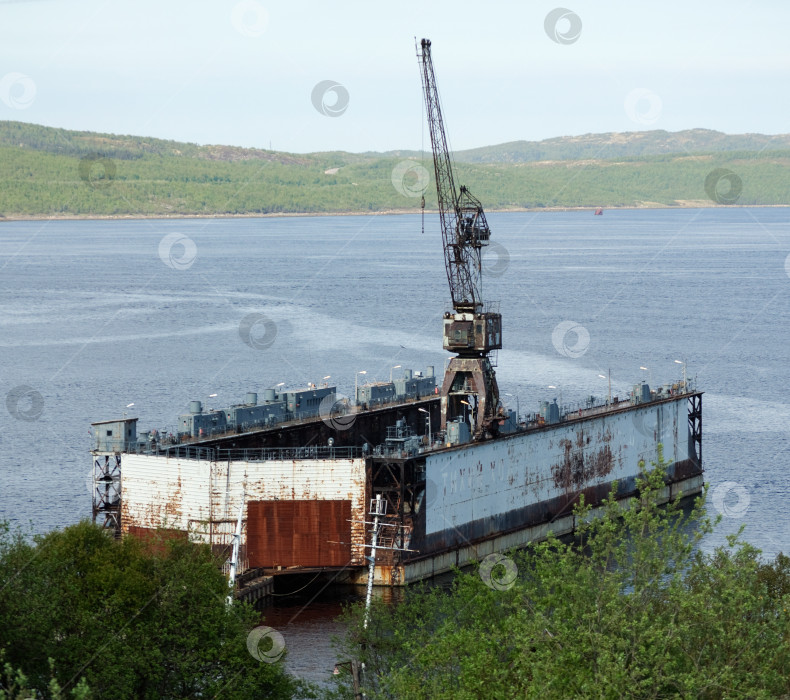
[584, 409]
[253, 454]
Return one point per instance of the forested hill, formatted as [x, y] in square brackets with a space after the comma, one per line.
[47, 171]
[623, 145]
[79, 143]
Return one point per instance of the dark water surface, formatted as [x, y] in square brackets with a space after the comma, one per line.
[95, 315]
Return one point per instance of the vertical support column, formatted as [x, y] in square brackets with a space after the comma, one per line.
[106, 502]
[695, 428]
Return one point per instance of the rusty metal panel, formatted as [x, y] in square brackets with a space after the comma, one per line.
[156, 537]
[298, 533]
[163, 492]
[290, 480]
[487, 483]
[203, 498]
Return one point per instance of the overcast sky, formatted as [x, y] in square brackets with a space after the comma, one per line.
[244, 73]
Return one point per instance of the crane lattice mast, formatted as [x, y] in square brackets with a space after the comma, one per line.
[463, 223]
[473, 329]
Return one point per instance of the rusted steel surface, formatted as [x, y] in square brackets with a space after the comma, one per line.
[161, 492]
[429, 564]
[476, 491]
[202, 498]
[298, 533]
[444, 499]
[575, 469]
[156, 539]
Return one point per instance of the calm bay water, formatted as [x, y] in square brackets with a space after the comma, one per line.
[95, 315]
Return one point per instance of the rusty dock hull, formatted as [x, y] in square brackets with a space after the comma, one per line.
[305, 509]
[487, 497]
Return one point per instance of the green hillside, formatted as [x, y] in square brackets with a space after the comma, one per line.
[55, 172]
[623, 145]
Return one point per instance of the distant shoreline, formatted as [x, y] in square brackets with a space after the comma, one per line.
[388, 212]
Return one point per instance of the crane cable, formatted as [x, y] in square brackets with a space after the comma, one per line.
[299, 590]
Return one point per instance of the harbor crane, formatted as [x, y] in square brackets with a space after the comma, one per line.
[473, 329]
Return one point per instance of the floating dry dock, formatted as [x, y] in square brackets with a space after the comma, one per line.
[304, 485]
[305, 472]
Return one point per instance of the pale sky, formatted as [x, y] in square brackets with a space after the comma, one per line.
[242, 73]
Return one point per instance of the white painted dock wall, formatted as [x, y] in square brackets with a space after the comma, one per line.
[202, 498]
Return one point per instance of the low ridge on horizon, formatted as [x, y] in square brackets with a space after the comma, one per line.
[574, 147]
[47, 171]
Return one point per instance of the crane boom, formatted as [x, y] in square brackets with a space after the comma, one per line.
[464, 227]
[471, 330]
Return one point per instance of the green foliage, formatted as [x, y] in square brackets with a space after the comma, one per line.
[55, 172]
[80, 610]
[630, 608]
[635, 144]
[14, 685]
